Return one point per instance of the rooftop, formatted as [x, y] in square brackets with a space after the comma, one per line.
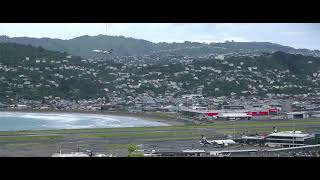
[293, 113]
[234, 115]
[194, 151]
[290, 134]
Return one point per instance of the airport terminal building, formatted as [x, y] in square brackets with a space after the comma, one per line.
[287, 139]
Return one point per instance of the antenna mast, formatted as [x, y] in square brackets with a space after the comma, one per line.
[106, 29]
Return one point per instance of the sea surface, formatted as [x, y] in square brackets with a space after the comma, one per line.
[16, 121]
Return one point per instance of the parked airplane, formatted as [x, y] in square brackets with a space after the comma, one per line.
[204, 141]
[225, 142]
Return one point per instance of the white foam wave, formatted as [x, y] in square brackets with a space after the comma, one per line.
[75, 121]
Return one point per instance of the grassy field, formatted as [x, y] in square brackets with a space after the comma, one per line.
[29, 138]
[170, 138]
[13, 146]
[116, 146]
[135, 134]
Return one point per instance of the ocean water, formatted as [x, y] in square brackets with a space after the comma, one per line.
[16, 121]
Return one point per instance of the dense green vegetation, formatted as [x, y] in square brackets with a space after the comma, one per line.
[15, 54]
[19, 65]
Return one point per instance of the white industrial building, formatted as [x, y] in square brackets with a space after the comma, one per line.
[234, 116]
[286, 139]
[298, 115]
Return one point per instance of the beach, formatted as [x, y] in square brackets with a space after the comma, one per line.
[17, 121]
[168, 118]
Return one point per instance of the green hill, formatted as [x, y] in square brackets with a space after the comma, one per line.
[35, 73]
[124, 46]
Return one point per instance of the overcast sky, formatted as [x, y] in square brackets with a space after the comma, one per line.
[295, 35]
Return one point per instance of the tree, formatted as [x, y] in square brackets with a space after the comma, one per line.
[131, 149]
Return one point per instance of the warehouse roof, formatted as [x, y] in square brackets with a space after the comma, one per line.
[194, 151]
[235, 115]
[290, 134]
[293, 113]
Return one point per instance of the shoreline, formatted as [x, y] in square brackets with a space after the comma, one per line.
[154, 117]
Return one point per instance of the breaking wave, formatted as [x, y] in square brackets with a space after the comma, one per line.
[39, 121]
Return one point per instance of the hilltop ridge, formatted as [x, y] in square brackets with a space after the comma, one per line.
[126, 46]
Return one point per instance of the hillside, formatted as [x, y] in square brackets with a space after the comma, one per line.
[15, 53]
[35, 73]
[83, 46]
[123, 46]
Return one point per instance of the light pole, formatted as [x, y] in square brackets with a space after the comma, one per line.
[234, 128]
[179, 117]
[294, 129]
[106, 29]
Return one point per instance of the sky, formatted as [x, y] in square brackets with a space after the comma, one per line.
[297, 35]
